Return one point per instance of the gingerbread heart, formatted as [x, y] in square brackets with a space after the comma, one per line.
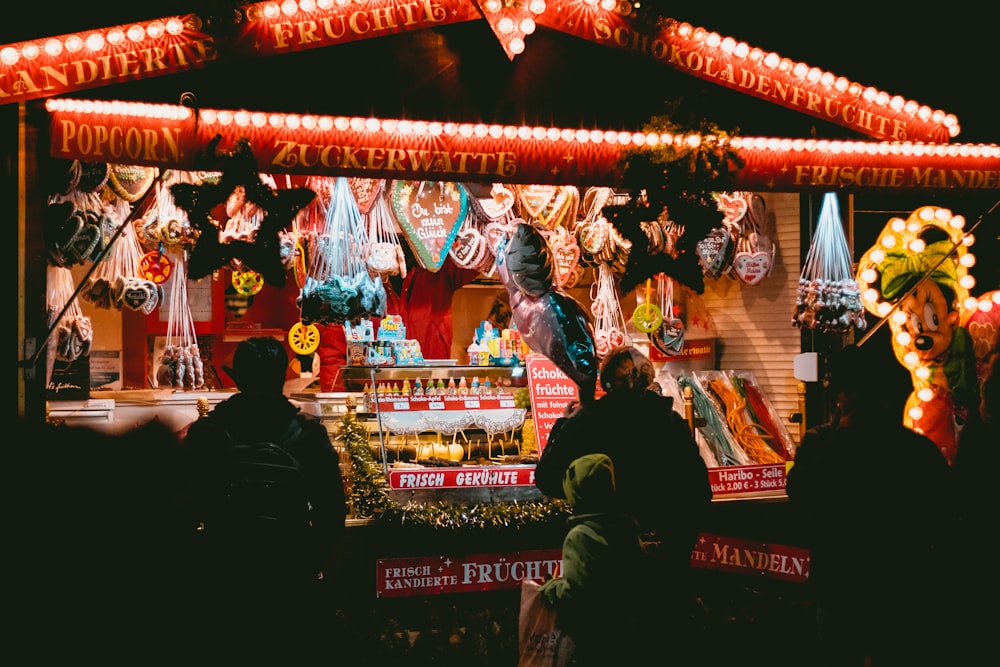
[566, 257]
[732, 206]
[601, 345]
[498, 232]
[715, 252]
[136, 294]
[469, 248]
[499, 203]
[430, 214]
[366, 192]
[669, 337]
[575, 276]
[751, 268]
[549, 205]
[131, 182]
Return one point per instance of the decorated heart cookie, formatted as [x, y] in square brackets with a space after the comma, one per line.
[733, 207]
[566, 258]
[498, 232]
[499, 203]
[131, 182]
[549, 205]
[469, 248]
[366, 192]
[751, 268]
[669, 337]
[430, 214]
[715, 252]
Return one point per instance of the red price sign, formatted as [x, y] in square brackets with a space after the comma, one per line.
[551, 391]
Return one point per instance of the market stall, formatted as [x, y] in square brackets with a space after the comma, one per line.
[178, 230]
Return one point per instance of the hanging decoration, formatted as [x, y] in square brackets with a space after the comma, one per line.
[471, 249]
[609, 322]
[511, 21]
[430, 214]
[116, 282]
[239, 191]
[383, 255]
[548, 206]
[338, 286]
[180, 365]
[76, 229]
[716, 249]
[916, 275]
[164, 224]
[687, 169]
[754, 250]
[565, 258]
[829, 299]
[668, 338]
[131, 181]
[493, 215]
[647, 316]
[73, 332]
[367, 192]
[247, 283]
[551, 322]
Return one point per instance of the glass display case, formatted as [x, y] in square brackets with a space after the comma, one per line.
[443, 432]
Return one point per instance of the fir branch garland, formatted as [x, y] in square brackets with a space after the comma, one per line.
[369, 497]
[677, 179]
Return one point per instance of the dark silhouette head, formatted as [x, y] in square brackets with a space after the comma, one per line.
[870, 379]
[626, 368]
[259, 366]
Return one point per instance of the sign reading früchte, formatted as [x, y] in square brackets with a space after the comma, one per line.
[436, 575]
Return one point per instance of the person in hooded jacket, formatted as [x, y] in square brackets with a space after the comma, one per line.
[248, 580]
[660, 477]
[601, 565]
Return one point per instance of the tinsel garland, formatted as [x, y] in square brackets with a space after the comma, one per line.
[369, 497]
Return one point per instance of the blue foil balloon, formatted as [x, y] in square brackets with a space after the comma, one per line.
[556, 325]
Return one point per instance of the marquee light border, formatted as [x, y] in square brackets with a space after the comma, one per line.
[170, 136]
[38, 68]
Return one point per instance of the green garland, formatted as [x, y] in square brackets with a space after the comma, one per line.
[711, 166]
[369, 497]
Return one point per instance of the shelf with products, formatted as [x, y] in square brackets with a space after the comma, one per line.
[461, 438]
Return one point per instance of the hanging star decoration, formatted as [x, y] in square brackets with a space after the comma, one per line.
[677, 178]
[239, 184]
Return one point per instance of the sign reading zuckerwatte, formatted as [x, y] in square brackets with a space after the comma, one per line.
[814, 166]
[551, 391]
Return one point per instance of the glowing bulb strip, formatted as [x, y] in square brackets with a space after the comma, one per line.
[548, 154]
[51, 66]
[95, 42]
[283, 26]
[767, 75]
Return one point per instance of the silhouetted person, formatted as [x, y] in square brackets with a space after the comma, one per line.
[89, 541]
[979, 445]
[268, 570]
[875, 504]
[660, 476]
[602, 562]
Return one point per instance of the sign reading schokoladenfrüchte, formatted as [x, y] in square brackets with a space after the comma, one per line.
[551, 391]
